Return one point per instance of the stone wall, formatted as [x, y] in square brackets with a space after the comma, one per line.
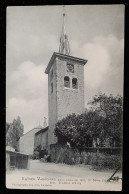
[52, 105]
[69, 100]
[89, 156]
[64, 101]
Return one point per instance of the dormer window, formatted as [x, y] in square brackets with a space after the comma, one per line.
[67, 82]
[74, 83]
[70, 67]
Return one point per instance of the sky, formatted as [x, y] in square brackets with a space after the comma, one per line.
[95, 33]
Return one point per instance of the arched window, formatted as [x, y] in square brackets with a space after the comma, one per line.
[67, 82]
[74, 83]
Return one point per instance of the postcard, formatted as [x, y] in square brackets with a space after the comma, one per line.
[64, 97]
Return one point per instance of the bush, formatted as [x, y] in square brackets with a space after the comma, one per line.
[36, 155]
[101, 161]
[31, 156]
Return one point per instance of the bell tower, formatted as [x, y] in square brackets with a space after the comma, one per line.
[65, 84]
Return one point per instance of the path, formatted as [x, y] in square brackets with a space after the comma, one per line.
[62, 174]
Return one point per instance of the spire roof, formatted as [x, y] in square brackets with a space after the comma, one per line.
[64, 43]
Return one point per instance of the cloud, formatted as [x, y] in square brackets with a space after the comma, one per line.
[104, 69]
[31, 112]
[35, 47]
[97, 66]
[28, 94]
[105, 55]
[29, 80]
[115, 48]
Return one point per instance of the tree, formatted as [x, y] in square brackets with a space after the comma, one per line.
[7, 126]
[79, 130]
[111, 108]
[103, 121]
[14, 132]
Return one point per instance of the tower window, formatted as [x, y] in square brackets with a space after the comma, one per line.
[51, 87]
[74, 83]
[51, 75]
[70, 67]
[67, 82]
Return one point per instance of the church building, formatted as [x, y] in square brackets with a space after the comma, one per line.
[65, 84]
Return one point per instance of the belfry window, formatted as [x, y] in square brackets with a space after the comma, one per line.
[67, 82]
[74, 83]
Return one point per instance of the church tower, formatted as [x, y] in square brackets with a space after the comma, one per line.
[65, 84]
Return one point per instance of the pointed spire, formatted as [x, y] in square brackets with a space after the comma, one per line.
[64, 43]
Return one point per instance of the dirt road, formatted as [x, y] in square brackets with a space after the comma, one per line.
[48, 175]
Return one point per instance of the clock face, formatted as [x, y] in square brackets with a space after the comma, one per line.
[70, 67]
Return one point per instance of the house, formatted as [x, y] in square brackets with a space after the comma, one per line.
[41, 139]
[26, 142]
